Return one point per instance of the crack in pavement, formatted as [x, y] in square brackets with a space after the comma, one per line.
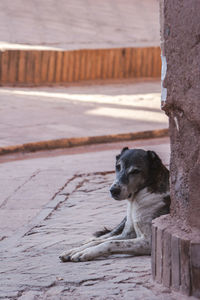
[19, 187]
[38, 273]
[54, 203]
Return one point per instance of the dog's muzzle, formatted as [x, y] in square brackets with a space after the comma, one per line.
[115, 191]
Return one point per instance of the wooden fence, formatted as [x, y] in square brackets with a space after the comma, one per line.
[42, 67]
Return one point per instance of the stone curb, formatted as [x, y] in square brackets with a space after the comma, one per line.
[46, 67]
[83, 141]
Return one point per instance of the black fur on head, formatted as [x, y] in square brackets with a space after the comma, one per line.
[123, 150]
[158, 180]
[154, 159]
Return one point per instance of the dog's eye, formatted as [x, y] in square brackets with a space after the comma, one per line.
[118, 168]
[134, 172]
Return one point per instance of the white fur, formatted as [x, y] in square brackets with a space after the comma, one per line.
[135, 238]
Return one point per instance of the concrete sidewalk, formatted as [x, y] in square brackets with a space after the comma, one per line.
[78, 24]
[52, 203]
[34, 115]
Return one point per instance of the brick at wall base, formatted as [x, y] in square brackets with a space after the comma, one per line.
[175, 258]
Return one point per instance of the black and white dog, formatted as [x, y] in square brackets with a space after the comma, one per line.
[143, 180]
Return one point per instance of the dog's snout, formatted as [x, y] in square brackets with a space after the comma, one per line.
[115, 190]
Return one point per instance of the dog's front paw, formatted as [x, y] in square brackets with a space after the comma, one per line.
[84, 255]
[65, 256]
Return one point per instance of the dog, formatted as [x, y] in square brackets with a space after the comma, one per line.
[143, 180]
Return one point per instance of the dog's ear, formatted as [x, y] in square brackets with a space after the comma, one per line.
[123, 150]
[154, 159]
[118, 157]
[158, 178]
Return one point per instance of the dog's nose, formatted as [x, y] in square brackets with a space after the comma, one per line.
[115, 191]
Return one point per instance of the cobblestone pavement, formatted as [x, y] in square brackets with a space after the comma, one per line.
[73, 202]
[28, 183]
[38, 114]
[30, 268]
[76, 24]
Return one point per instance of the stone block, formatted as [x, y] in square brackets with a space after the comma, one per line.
[195, 269]
[185, 267]
[175, 263]
[153, 251]
[166, 259]
[159, 255]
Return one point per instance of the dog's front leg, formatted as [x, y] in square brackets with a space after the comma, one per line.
[128, 233]
[137, 246]
[114, 232]
[66, 256]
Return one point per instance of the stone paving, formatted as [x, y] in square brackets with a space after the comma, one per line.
[29, 182]
[30, 268]
[78, 24]
[76, 203]
[38, 114]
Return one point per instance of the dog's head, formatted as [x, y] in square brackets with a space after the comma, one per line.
[135, 170]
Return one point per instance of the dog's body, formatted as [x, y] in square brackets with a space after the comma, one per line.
[143, 180]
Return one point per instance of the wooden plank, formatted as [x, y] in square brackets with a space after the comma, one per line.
[30, 67]
[146, 61]
[157, 62]
[4, 66]
[44, 66]
[65, 67]
[154, 62]
[138, 62]
[51, 67]
[93, 65]
[101, 63]
[149, 62]
[110, 68]
[37, 67]
[127, 66]
[88, 65]
[133, 64]
[22, 66]
[104, 64]
[143, 62]
[70, 77]
[13, 66]
[98, 63]
[83, 57]
[77, 63]
[122, 58]
[116, 73]
[58, 66]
